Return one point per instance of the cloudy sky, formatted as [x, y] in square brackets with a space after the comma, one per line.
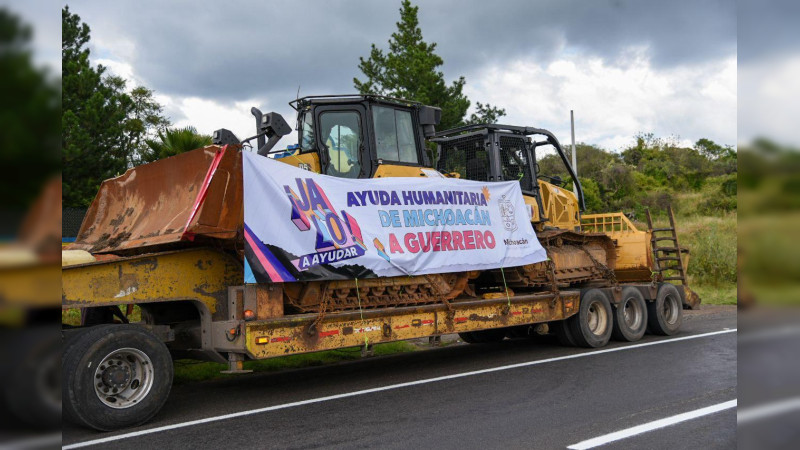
[625, 67]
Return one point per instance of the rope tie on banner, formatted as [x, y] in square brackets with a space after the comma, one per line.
[361, 311]
[505, 285]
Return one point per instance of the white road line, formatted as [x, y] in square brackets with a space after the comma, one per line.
[384, 388]
[767, 410]
[650, 426]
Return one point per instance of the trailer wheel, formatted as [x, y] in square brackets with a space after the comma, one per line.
[591, 327]
[564, 336]
[115, 376]
[30, 384]
[630, 316]
[665, 314]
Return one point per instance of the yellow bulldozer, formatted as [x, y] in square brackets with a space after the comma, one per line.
[168, 237]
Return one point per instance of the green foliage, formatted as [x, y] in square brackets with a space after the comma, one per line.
[30, 105]
[410, 70]
[102, 126]
[719, 195]
[485, 113]
[712, 150]
[712, 242]
[591, 195]
[173, 141]
[192, 371]
[651, 174]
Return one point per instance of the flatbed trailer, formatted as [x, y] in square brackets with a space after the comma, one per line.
[235, 322]
[170, 238]
[194, 306]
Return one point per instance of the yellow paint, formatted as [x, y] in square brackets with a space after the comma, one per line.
[393, 170]
[634, 250]
[308, 161]
[197, 274]
[27, 286]
[285, 336]
[560, 206]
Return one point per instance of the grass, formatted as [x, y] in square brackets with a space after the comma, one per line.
[712, 241]
[72, 316]
[187, 371]
[715, 295]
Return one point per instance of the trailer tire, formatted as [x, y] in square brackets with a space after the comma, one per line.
[592, 326]
[630, 316]
[564, 336]
[30, 386]
[115, 377]
[665, 314]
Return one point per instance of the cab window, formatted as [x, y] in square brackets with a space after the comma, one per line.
[307, 125]
[394, 135]
[341, 136]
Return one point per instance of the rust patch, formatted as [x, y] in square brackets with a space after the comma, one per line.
[148, 263]
[150, 204]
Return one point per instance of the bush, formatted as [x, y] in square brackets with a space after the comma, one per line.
[712, 242]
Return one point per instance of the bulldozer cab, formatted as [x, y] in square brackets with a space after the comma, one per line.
[504, 153]
[362, 136]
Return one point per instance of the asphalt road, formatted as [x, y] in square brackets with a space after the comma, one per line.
[561, 400]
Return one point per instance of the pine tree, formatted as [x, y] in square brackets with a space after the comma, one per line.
[410, 70]
[103, 127]
[30, 107]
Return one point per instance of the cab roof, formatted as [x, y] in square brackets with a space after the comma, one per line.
[300, 103]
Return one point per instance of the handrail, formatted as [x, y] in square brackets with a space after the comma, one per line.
[606, 222]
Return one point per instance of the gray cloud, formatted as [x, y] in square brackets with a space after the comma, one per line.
[240, 50]
[767, 29]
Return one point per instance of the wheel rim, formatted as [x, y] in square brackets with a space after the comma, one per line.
[669, 310]
[632, 314]
[123, 378]
[597, 318]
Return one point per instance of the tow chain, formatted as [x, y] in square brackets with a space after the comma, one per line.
[604, 269]
[322, 308]
[551, 272]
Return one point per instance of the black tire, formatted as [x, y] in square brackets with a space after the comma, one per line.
[30, 385]
[484, 336]
[665, 314]
[70, 337]
[593, 324]
[129, 355]
[630, 316]
[563, 334]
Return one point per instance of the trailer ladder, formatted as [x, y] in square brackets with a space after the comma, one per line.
[667, 260]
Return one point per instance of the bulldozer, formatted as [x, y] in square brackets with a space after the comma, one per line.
[168, 237]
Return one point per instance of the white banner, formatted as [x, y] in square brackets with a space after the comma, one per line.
[303, 226]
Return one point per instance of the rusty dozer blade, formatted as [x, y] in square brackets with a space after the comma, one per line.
[193, 195]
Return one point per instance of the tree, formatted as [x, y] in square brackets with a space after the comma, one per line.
[102, 125]
[409, 70]
[712, 150]
[173, 141]
[30, 107]
[485, 113]
[145, 122]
